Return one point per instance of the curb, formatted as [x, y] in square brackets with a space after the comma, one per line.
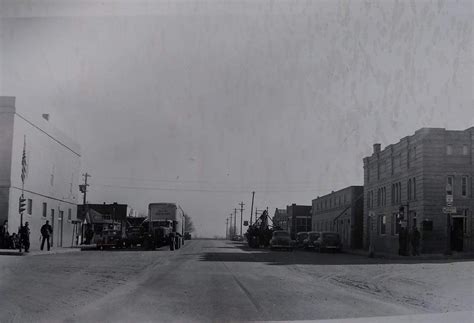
[379, 255]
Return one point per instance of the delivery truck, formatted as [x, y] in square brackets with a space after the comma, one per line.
[166, 225]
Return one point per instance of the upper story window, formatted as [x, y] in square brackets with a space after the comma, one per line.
[409, 189]
[449, 150]
[29, 206]
[450, 185]
[464, 150]
[464, 186]
[45, 207]
[414, 188]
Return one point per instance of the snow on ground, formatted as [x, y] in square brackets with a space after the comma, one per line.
[435, 287]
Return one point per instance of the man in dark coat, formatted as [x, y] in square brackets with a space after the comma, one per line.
[415, 241]
[46, 232]
[25, 236]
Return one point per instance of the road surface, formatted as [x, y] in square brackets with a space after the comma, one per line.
[215, 280]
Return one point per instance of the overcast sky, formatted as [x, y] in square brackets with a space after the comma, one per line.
[201, 102]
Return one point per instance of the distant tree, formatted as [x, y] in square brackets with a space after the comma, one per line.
[188, 226]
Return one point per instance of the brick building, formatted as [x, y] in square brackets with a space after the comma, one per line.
[299, 219]
[413, 174]
[341, 212]
[52, 174]
[280, 219]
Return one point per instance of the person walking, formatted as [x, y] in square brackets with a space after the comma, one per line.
[46, 232]
[25, 237]
[415, 242]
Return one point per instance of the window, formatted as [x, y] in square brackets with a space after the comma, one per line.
[464, 186]
[449, 150]
[399, 192]
[414, 188]
[450, 185]
[409, 189]
[393, 194]
[45, 207]
[382, 221]
[395, 223]
[69, 214]
[29, 206]
[464, 150]
[52, 213]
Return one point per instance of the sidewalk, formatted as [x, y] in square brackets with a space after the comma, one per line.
[428, 256]
[15, 252]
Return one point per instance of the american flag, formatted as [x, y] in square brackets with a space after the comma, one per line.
[24, 165]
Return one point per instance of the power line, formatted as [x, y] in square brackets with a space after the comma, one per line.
[208, 190]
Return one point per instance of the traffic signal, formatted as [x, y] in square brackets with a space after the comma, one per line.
[22, 204]
[401, 212]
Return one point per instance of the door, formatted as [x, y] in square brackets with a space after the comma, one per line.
[52, 225]
[457, 234]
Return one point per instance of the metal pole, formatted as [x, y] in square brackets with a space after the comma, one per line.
[235, 220]
[251, 209]
[241, 211]
[226, 228]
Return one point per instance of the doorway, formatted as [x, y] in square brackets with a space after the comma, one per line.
[457, 234]
[52, 226]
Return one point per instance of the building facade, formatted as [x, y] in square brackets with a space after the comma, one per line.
[299, 219]
[405, 186]
[341, 212]
[280, 219]
[52, 175]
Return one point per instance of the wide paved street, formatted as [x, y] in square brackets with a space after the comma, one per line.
[213, 280]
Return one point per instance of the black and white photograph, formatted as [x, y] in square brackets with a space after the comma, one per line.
[237, 161]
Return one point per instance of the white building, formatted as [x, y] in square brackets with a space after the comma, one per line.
[53, 170]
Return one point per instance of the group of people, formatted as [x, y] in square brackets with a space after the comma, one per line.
[22, 239]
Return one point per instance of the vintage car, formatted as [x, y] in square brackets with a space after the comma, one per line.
[308, 243]
[281, 240]
[300, 238]
[328, 241]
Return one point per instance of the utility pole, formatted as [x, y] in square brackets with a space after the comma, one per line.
[235, 220]
[241, 211]
[226, 228]
[251, 209]
[83, 189]
[230, 228]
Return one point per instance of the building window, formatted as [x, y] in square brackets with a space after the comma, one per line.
[69, 214]
[450, 185]
[29, 206]
[449, 150]
[414, 188]
[399, 192]
[45, 207]
[396, 193]
[464, 150]
[395, 223]
[464, 186]
[409, 189]
[383, 222]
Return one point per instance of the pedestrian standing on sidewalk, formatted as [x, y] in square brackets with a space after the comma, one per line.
[25, 236]
[46, 231]
[415, 241]
[4, 235]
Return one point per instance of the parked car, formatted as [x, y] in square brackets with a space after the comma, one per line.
[300, 237]
[281, 240]
[187, 236]
[308, 243]
[328, 241]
